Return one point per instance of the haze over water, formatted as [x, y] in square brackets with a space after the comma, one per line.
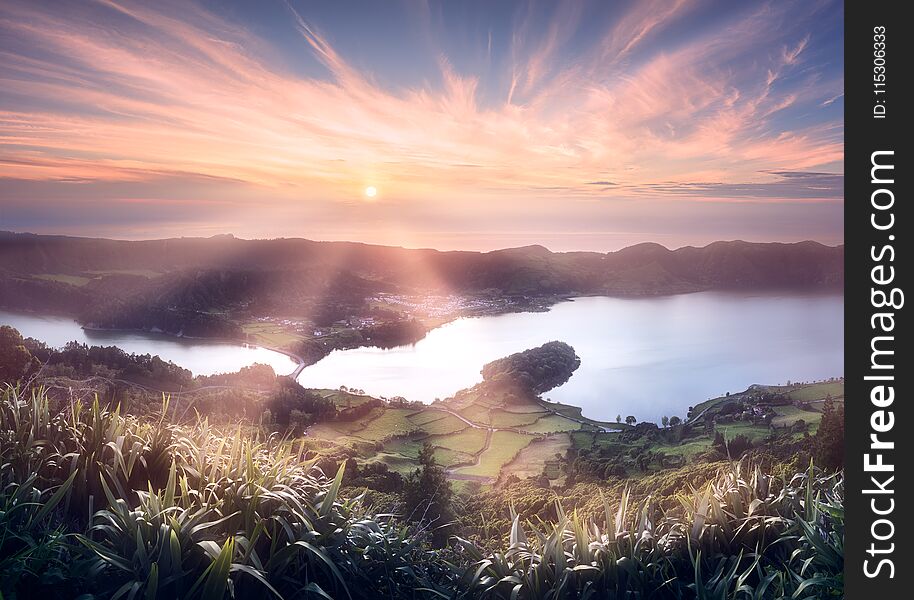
[201, 357]
[646, 357]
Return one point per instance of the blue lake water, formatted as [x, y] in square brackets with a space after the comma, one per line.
[646, 357]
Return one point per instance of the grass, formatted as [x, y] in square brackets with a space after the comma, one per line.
[94, 503]
[270, 334]
[390, 423]
[395, 462]
[427, 416]
[788, 415]
[755, 433]
[448, 424]
[550, 424]
[448, 458]
[718, 546]
[409, 448]
[502, 418]
[702, 406]
[470, 440]
[583, 439]
[476, 413]
[688, 449]
[74, 280]
[531, 460]
[818, 391]
[344, 399]
[523, 408]
[503, 448]
[333, 429]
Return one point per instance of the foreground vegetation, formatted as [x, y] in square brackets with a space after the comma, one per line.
[247, 485]
[107, 505]
[104, 504]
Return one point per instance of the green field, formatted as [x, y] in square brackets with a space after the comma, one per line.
[788, 415]
[270, 334]
[550, 424]
[448, 458]
[449, 424]
[427, 416]
[688, 449]
[502, 418]
[407, 447]
[391, 422]
[395, 462]
[755, 433]
[818, 391]
[344, 399]
[470, 440]
[528, 434]
[449, 449]
[504, 447]
[476, 413]
[531, 460]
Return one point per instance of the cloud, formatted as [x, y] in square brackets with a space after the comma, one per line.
[786, 186]
[135, 92]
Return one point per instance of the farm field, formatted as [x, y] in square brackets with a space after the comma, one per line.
[503, 448]
[391, 423]
[529, 462]
[519, 438]
[446, 424]
[270, 334]
[818, 391]
[788, 415]
[471, 440]
[503, 418]
[344, 399]
[551, 424]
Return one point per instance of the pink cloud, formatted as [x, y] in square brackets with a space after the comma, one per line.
[199, 95]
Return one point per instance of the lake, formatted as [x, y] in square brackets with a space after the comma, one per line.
[201, 357]
[646, 357]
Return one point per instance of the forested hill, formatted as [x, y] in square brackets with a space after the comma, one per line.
[644, 269]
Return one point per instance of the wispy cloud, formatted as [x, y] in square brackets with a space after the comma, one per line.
[135, 92]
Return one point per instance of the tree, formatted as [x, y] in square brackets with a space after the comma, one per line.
[427, 495]
[618, 418]
[290, 402]
[16, 362]
[674, 421]
[828, 443]
[630, 420]
[733, 447]
[665, 421]
[535, 371]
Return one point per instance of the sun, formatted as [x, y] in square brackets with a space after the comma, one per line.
[371, 191]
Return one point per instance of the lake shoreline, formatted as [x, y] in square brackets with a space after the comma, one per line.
[637, 354]
[445, 371]
[301, 363]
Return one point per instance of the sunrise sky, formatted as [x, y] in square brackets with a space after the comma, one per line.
[473, 125]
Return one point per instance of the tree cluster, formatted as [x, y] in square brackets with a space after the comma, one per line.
[537, 370]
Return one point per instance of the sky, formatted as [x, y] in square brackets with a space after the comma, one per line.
[578, 125]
